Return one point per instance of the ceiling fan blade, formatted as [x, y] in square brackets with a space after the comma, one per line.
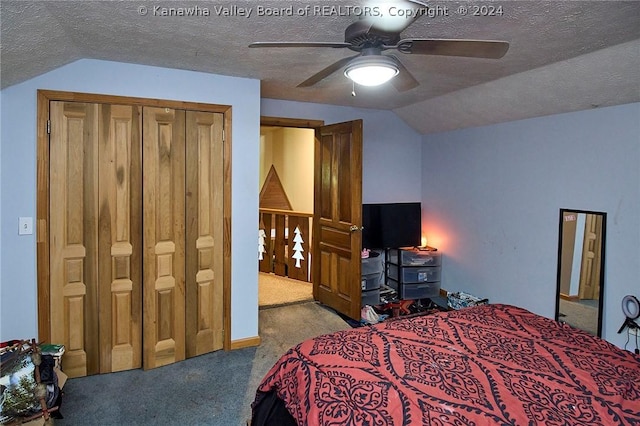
[404, 80]
[326, 72]
[491, 49]
[298, 44]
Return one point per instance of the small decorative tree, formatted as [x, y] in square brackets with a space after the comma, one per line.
[261, 250]
[297, 247]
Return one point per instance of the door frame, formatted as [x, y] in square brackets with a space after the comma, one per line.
[306, 124]
[299, 123]
[44, 97]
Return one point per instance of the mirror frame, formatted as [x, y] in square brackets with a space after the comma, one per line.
[602, 261]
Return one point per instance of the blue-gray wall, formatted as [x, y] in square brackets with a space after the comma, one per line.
[491, 198]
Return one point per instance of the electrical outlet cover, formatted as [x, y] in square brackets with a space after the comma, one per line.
[25, 226]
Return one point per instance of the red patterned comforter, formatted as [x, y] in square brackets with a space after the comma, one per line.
[486, 365]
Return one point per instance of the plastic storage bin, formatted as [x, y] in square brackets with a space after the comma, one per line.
[370, 297]
[372, 265]
[371, 281]
[415, 291]
[414, 274]
[415, 257]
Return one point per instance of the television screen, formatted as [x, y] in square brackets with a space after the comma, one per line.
[371, 236]
[390, 225]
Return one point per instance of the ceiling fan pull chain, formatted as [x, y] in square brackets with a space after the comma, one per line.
[353, 90]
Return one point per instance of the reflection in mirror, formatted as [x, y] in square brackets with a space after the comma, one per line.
[581, 269]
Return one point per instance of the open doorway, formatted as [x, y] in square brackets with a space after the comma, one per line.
[286, 211]
[336, 219]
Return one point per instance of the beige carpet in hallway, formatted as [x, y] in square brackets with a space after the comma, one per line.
[274, 290]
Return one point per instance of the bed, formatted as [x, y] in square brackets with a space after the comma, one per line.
[484, 365]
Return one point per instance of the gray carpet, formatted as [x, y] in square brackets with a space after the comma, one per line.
[212, 389]
[582, 314]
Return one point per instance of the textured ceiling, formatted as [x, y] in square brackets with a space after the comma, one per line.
[564, 55]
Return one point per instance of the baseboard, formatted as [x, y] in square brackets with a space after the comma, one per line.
[245, 343]
[570, 298]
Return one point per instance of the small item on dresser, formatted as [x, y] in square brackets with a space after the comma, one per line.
[460, 299]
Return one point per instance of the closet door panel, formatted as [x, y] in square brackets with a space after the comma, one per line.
[204, 255]
[120, 240]
[164, 224]
[73, 237]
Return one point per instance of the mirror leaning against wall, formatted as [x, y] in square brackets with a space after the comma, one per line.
[581, 255]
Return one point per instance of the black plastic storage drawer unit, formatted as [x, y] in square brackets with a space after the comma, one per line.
[415, 257]
[414, 272]
[415, 290]
[372, 278]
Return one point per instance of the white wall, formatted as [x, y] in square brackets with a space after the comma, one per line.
[290, 151]
[266, 156]
[391, 149]
[491, 198]
[296, 158]
[18, 289]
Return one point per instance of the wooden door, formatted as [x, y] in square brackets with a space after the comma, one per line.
[164, 235]
[106, 275]
[337, 217]
[95, 236]
[73, 239]
[205, 232]
[591, 252]
[120, 238]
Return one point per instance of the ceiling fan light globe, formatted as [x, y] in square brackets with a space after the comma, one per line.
[369, 71]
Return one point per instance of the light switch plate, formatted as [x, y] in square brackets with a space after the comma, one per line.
[25, 226]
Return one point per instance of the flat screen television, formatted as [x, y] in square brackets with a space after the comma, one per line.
[391, 225]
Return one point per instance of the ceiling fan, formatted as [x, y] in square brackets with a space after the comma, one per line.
[370, 38]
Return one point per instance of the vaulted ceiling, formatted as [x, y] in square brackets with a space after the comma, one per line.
[563, 56]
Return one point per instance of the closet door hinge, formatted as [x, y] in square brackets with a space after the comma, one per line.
[223, 135]
[48, 127]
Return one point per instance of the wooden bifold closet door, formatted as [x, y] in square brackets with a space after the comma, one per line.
[135, 235]
[95, 236]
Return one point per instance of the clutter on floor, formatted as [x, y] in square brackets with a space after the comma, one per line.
[392, 307]
[31, 382]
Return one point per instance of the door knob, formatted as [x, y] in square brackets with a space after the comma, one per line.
[354, 228]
